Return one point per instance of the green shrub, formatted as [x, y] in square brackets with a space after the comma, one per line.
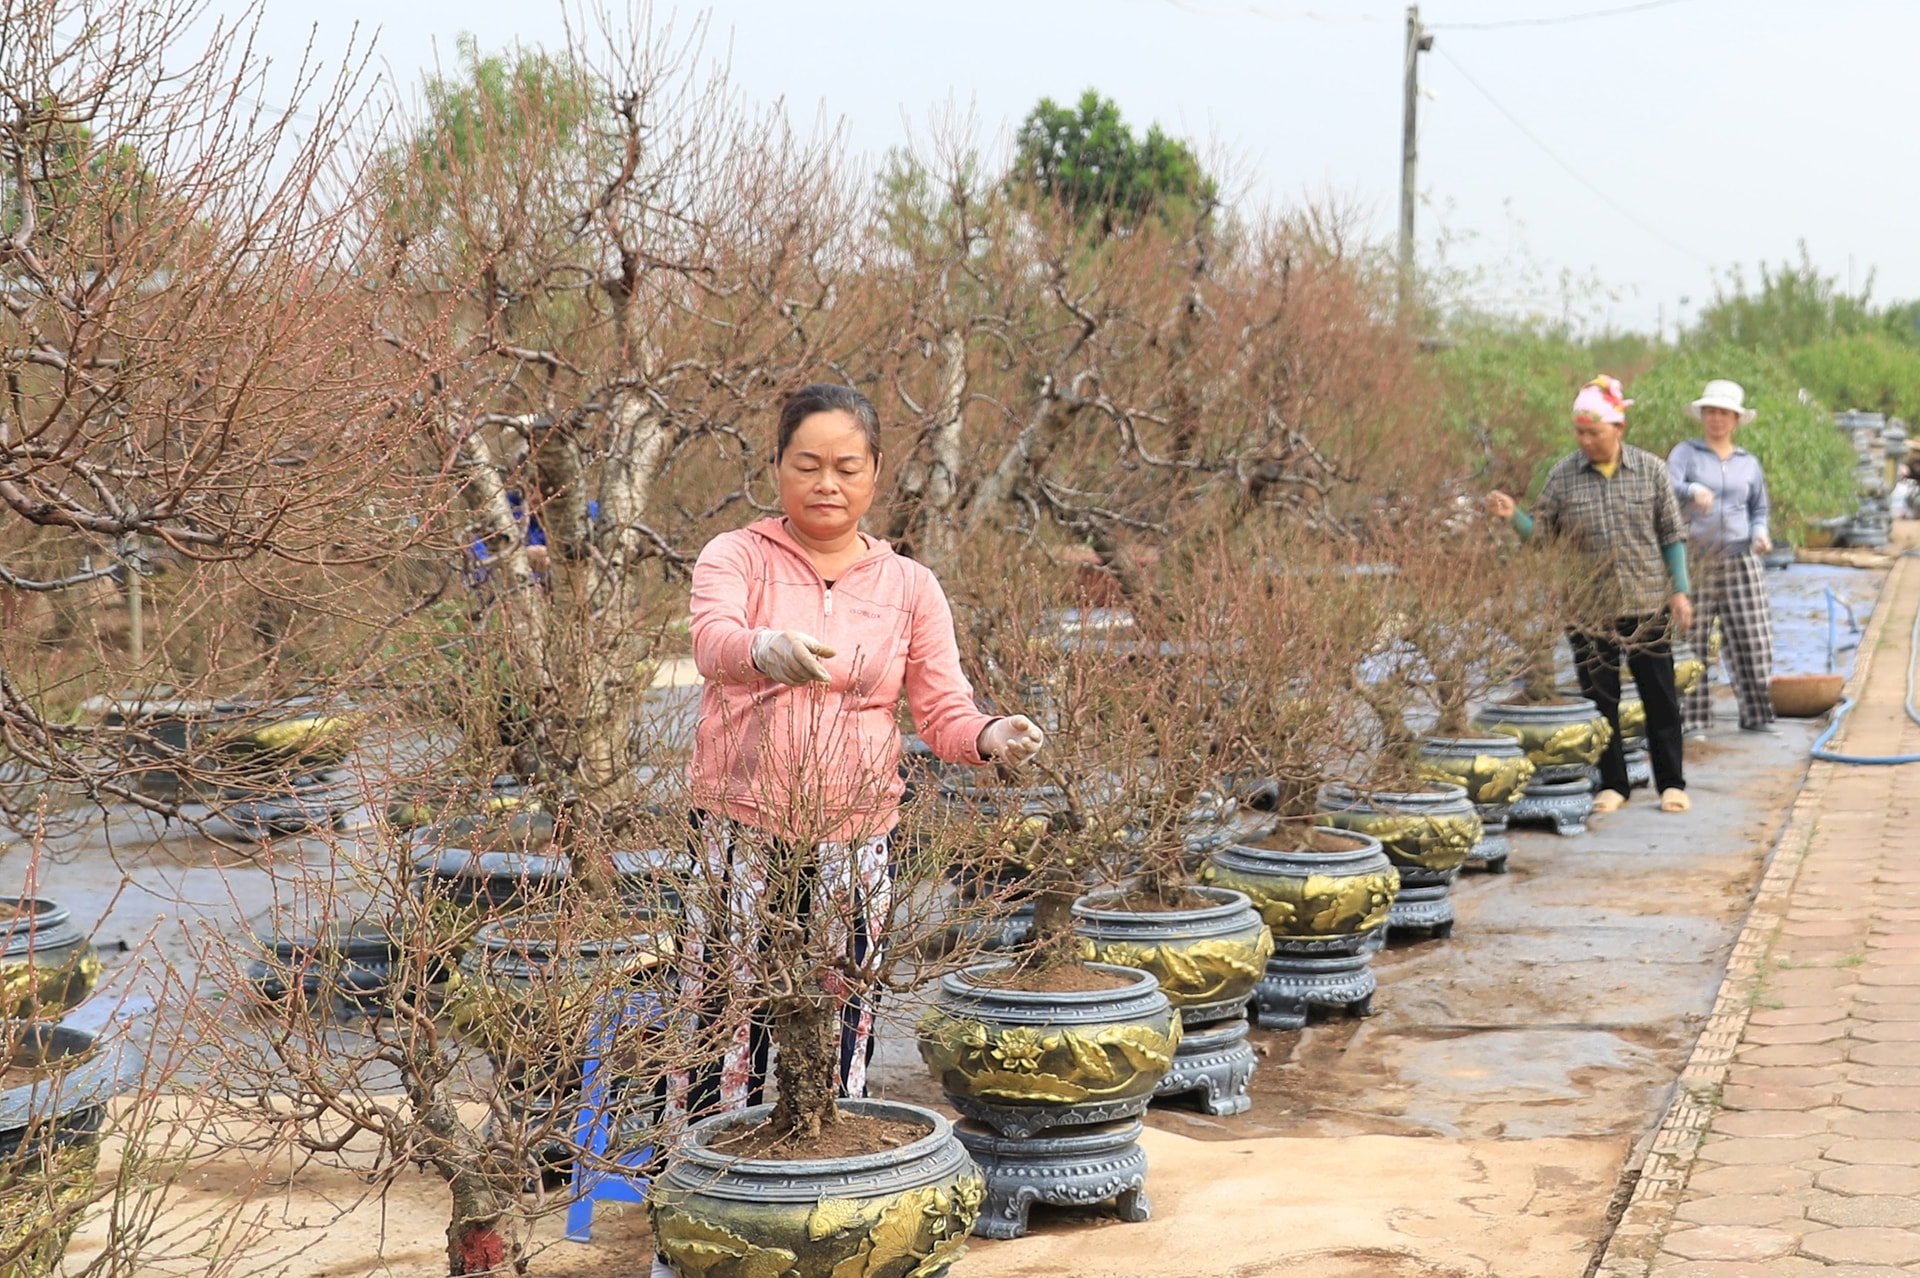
[1868, 371]
[1515, 388]
[1809, 464]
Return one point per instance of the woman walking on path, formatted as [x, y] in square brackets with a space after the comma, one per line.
[1723, 491]
[1616, 503]
[807, 631]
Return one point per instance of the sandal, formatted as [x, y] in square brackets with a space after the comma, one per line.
[1608, 801]
[1675, 800]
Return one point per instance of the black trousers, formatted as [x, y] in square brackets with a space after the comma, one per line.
[1647, 644]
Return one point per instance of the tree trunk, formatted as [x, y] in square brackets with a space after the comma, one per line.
[594, 577]
[476, 1243]
[1540, 687]
[519, 605]
[1053, 940]
[806, 1066]
[1028, 453]
[936, 534]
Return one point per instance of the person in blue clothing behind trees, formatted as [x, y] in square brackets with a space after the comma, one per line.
[1723, 492]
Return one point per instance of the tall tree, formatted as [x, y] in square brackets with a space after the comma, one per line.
[1087, 157]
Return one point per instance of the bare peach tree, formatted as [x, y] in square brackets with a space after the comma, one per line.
[189, 451]
[448, 1041]
[611, 271]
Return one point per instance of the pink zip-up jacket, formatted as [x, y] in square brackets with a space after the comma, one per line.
[822, 761]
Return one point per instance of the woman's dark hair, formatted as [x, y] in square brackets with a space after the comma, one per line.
[825, 397]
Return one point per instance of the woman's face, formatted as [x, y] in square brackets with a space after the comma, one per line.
[827, 476]
[1598, 440]
[1719, 422]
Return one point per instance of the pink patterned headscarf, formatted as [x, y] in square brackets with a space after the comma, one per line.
[1605, 398]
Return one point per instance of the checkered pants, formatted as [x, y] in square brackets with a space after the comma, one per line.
[1733, 588]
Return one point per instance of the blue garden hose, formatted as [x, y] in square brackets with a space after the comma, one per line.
[1913, 664]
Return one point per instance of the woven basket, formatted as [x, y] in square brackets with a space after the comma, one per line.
[1803, 696]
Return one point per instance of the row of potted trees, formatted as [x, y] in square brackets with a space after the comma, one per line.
[1253, 776]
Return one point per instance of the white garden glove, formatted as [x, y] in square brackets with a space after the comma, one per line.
[1702, 497]
[1011, 741]
[1762, 544]
[789, 657]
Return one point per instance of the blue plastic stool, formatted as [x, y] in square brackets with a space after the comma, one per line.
[594, 1126]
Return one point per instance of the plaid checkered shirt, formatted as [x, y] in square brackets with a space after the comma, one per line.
[1624, 522]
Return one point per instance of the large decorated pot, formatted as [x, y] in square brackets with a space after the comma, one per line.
[1689, 668]
[1494, 771]
[1633, 730]
[50, 1121]
[473, 869]
[1633, 735]
[1565, 739]
[521, 979]
[1325, 894]
[902, 1212]
[1208, 958]
[180, 738]
[1426, 833]
[47, 965]
[1021, 1061]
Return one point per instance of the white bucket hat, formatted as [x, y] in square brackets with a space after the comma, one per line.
[1721, 393]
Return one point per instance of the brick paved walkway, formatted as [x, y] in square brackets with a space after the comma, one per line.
[1809, 1161]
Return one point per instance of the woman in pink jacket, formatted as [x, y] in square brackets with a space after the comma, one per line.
[807, 631]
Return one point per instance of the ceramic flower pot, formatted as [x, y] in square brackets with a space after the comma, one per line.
[1208, 959]
[1565, 739]
[1326, 901]
[1021, 1061]
[904, 1211]
[1494, 771]
[50, 1125]
[1426, 834]
[1689, 668]
[47, 965]
[470, 870]
[520, 981]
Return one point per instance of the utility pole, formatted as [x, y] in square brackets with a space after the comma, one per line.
[1419, 41]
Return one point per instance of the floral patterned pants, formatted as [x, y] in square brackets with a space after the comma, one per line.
[845, 889]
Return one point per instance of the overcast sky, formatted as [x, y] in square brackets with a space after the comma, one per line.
[1721, 132]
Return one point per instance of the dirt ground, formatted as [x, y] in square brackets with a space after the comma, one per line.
[1478, 1124]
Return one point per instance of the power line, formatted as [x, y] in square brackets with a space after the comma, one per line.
[1572, 172]
[1589, 15]
[1257, 11]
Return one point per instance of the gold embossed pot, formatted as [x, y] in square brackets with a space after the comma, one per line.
[472, 869]
[50, 1136]
[1207, 957]
[901, 1213]
[1426, 833]
[522, 978]
[1494, 771]
[1326, 902]
[1564, 738]
[1688, 668]
[1633, 732]
[1022, 1061]
[47, 965]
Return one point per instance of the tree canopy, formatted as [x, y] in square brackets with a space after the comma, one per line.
[1088, 158]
